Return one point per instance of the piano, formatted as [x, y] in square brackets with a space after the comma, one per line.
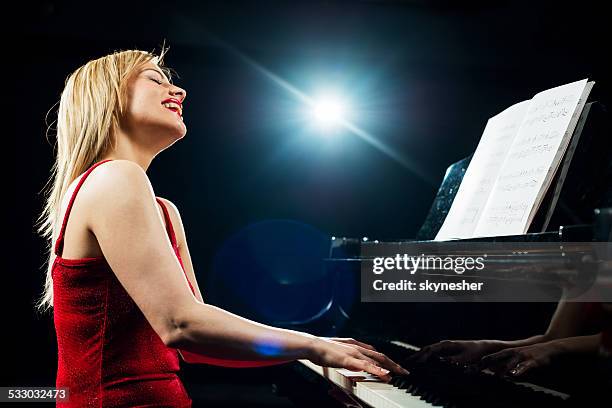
[577, 209]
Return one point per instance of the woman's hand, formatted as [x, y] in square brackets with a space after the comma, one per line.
[353, 355]
[457, 351]
[519, 360]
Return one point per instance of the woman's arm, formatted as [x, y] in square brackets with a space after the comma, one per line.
[199, 358]
[196, 358]
[129, 229]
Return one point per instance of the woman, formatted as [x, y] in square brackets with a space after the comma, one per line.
[120, 277]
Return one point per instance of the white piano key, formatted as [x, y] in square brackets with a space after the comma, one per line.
[405, 345]
[342, 379]
[386, 395]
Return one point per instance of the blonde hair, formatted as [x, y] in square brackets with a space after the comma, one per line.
[91, 105]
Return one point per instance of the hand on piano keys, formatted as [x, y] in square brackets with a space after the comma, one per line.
[353, 355]
[437, 384]
[369, 388]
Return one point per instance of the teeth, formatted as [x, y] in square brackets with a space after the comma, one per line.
[172, 105]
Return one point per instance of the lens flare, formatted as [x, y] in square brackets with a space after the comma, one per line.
[329, 112]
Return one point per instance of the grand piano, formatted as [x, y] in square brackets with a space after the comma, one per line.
[576, 212]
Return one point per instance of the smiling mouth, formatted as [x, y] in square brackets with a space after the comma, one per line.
[174, 105]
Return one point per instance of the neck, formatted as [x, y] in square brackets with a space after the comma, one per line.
[126, 150]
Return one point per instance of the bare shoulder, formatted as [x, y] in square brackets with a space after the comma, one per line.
[119, 173]
[118, 190]
[117, 180]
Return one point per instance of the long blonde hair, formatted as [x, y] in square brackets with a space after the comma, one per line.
[90, 108]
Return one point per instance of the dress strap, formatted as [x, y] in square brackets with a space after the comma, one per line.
[59, 244]
[169, 227]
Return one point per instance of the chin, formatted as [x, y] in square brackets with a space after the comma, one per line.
[182, 133]
[176, 131]
[181, 128]
[163, 133]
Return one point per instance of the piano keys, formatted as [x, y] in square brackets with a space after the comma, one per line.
[436, 384]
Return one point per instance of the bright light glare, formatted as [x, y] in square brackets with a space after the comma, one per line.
[329, 112]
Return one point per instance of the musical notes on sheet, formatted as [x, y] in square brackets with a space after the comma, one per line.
[482, 173]
[532, 160]
[514, 164]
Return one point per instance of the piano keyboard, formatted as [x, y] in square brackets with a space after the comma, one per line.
[423, 390]
[368, 389]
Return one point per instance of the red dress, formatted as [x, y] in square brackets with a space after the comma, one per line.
[108, 353]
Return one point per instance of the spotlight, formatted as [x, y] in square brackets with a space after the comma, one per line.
[329, 112]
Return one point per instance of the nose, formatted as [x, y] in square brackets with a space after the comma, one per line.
[179, 92]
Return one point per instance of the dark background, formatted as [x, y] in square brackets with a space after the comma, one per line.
[423, 78]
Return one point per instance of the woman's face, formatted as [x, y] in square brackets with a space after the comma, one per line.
[154, 108]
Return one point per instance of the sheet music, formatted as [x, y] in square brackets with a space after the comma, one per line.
[532, 160]
[482, 172]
